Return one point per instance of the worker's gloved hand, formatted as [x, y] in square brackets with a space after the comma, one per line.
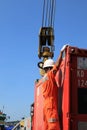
[64, 47]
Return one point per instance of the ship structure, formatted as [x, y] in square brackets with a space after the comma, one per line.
[2, 120]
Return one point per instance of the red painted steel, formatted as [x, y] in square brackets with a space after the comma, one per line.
[71, 79]
[38, 107]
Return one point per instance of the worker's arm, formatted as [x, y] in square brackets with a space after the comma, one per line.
[59, 60]
[60, 56]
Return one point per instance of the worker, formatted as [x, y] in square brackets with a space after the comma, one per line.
[50, 94]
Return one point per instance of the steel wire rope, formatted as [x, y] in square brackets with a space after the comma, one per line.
[43, 14]
[49, 16]
[54, 12]
[46, 15]
[51, 10]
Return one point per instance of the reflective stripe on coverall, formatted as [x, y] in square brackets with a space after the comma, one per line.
[50, 94]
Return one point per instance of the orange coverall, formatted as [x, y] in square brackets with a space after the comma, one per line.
[50, 94]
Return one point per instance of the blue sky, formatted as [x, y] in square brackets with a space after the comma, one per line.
[20, 21]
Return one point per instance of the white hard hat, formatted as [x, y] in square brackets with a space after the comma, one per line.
[48, 63]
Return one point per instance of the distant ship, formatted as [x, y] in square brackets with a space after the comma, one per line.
[2, 120]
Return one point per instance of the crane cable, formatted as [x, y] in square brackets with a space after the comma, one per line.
[48, 13]
[52, 12]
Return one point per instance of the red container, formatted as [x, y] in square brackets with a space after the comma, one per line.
[38, 107]
[72, 92]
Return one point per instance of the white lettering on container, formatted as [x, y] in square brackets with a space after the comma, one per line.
[80, 73]
[82, 83]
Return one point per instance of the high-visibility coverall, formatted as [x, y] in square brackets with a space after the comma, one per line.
[50, 94]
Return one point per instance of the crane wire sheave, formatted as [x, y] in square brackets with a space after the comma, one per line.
[48, 13]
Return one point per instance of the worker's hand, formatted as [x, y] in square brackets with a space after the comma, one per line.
[63, 48]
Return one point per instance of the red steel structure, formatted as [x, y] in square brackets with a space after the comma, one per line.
[71, 79]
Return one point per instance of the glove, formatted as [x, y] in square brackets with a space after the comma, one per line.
[63, 48]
